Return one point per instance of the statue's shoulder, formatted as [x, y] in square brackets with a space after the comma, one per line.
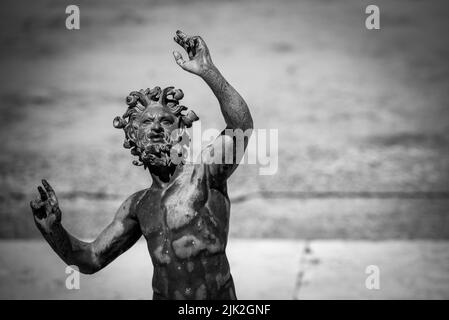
[139, 195]
[131, 204]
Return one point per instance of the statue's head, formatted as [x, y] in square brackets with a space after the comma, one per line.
[154, 123]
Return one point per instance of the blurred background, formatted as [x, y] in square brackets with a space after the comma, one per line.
[363, 126]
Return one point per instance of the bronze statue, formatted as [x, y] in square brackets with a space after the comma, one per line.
[184, 215]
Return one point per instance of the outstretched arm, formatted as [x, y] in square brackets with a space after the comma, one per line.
[89, 257]
[234, 109]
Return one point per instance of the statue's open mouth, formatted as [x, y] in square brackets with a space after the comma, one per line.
[157, 138]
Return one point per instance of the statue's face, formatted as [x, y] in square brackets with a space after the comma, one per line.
[154, 128]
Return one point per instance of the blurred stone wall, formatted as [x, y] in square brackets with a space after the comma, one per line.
[356, 110]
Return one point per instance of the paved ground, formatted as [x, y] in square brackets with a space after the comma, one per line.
[262, 269]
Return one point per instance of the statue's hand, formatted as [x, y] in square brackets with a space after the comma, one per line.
[199, 58]
[45, 208]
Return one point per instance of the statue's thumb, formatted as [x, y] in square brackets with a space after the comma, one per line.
[178, 58]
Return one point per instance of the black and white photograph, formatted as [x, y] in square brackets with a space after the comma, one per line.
[224, 150]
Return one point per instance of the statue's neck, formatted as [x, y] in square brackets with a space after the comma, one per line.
[162, 174]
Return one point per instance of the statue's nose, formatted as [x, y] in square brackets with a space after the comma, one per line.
[156, 127]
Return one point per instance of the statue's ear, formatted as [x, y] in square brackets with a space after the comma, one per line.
[119, 122]
[189, 118]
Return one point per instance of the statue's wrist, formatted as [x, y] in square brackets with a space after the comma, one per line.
[209, 72]
[48, 228]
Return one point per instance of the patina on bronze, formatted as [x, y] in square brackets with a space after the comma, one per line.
[184, 215]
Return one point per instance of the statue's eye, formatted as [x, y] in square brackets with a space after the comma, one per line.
[166, 122]
[147, 121]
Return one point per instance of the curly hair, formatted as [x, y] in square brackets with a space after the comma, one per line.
[139, 101]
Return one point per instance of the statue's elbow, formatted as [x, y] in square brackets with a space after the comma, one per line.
[90, 268]
[90, 262]
[250, 123]
[89, 271]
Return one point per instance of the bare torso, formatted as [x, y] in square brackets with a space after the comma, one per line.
[186, 226]
[184, 215]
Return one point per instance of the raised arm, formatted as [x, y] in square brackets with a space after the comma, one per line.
[234, 109]
[89, 257]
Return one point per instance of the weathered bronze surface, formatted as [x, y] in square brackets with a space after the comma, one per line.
[184, 215]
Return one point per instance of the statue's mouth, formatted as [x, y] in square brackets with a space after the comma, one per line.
[156, 139]
[155, 146]
[155, 149]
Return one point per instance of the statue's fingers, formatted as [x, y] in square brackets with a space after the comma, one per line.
[199, 42]
[50, 191]
[178, 40]
[187, 40]
[191, 47]
[42, 193]
[181, 42]
[37, 208]
[35, 204]
[182, 35]
[179, 59]
[191, 42]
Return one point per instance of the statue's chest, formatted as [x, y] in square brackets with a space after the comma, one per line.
[184, 219]
[175, 207]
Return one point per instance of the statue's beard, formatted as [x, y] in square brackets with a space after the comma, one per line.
[156, 154]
